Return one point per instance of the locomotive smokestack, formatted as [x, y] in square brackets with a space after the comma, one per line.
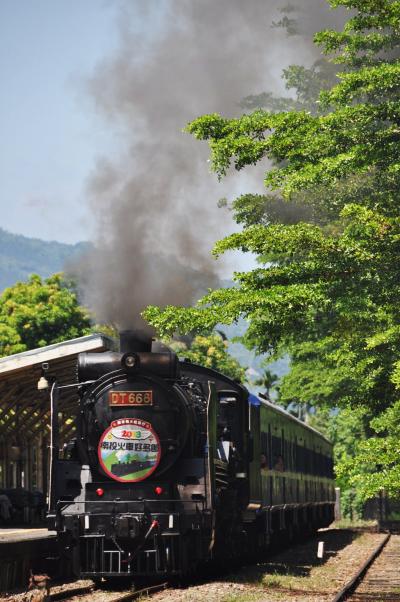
[134, 340]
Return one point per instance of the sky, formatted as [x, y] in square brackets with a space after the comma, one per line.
[49, 130]
[55, 116]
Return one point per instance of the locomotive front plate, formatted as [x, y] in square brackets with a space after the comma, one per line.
[130, 398]
[129, 450]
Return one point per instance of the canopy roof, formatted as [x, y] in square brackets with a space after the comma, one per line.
[24, 411]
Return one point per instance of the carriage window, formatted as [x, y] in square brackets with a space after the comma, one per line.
[263, 461]
[279, 464]
[227, 398]
[277, 453]
[229, 420]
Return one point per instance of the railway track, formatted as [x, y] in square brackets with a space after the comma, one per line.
[90, 591]
[378, 580]
[70, 593]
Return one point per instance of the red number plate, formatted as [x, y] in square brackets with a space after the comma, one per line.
[130, 398]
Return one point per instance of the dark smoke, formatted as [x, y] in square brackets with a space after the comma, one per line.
[155, 205]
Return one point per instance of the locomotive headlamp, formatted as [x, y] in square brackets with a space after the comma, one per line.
[130, 361]
[100, 492]
[158, 490]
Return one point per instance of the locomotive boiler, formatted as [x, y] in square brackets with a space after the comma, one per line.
[174, 465]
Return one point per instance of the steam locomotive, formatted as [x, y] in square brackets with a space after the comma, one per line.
[175, 465]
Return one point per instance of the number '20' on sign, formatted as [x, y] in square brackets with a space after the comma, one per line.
[130, 398]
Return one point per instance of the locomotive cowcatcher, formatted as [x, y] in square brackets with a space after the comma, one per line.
[174, 465]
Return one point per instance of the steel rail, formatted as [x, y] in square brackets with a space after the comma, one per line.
[146, 591]
[89, 589]
[70, 593]
[351, 585]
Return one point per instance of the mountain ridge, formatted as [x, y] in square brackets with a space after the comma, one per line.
[21, 256]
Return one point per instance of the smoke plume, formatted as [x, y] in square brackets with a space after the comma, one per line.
[154, 202]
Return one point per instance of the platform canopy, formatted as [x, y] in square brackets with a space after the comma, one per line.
[24, 410]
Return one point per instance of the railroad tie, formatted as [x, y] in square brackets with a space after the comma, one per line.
[382, 580]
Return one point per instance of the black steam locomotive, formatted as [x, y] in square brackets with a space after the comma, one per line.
[175, 464]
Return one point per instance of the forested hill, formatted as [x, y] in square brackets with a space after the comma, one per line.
[21, 256]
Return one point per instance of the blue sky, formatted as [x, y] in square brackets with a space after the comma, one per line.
[51, 132]
[48, 124]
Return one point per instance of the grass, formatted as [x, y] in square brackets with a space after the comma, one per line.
[242, 597]
[273, 580]
[358, 523]
[316, 580]
[298, 572]
[306, 578]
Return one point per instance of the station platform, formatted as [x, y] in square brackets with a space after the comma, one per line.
[17, 534]
[25, 549]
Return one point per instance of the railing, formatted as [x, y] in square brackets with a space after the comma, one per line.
[100, 555]
[136, 506]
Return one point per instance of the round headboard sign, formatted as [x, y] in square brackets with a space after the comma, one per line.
[129, 450]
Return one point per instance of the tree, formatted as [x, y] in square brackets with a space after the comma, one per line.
[327, 290]
[211, 351]
[306, 83]
[38, 313]
[377, 467]
[268, 381]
